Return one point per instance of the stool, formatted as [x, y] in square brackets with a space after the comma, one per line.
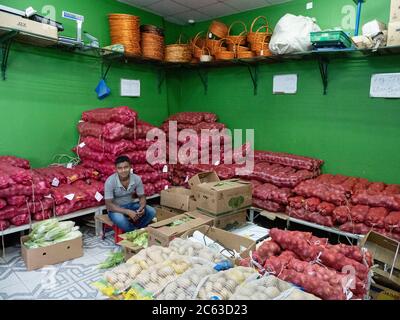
[106, 222]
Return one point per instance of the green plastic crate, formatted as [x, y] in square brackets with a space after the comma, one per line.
[330, 38]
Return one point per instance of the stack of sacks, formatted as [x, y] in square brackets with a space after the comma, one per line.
[193, 120]
[22, 193]
[107, 133]
[181, 173]
[77, 196]
[313, 264]
[354, 204]
[276, 174]
[72, 189]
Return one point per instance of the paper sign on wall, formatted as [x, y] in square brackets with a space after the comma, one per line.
[130, 88]
[385, 85]
[285, 84]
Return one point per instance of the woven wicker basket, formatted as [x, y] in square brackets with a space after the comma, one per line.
[224, 54]
[214, 45]
[197, 44]
[125, 30]
[152, 43]
[218, 29]
[258, 36]
[240, 39]
[179, 52]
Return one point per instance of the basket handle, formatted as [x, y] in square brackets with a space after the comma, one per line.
[236, 22]
[202, 50]
[221, 41]
[180, 39]
[254, 21]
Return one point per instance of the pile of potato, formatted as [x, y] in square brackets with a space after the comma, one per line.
[121, 277]
[270, 288]
[224, 283]
[157, 276]
[195, 249]
[184, 287]
[151, 256]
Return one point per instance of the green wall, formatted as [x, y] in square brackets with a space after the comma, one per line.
[354, 134]
[46, 90]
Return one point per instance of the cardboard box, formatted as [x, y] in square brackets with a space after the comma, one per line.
[386, 253]
[394, 34]
[163, 232]
[223, 196]
[163, 213]
[230, 220]
[378, 292]
[30, 31]
[129, 248]
[395, 10]
[56, 253]
[178, 198]
[226, 239]
[203, 177]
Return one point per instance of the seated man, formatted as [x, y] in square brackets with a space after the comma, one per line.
[119, 191]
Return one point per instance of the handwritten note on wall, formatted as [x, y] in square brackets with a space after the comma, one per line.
[285, 84]
[385, 85]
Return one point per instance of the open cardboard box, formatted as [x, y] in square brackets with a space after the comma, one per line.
[163, 232]
[386, 253]
[203, 177]
[53, 254]
[234, 219]
[178, 198]
[226, 239]
[163, 213]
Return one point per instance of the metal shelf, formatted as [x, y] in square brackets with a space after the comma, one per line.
[107, 57]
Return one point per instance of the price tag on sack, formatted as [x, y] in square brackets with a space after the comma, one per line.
[98, 196]
[70, 196]
[69, 165]
[55, 182]
[48, 196]
[217, 163]
[166, 187]
[187, 179]
[82, 145]
[165, 169]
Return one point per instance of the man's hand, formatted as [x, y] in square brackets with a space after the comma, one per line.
[133, 215]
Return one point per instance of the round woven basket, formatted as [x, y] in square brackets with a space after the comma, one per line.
[197, 44]
[214, 45]
[264, 50]
[240, 39]
[125, 30]
[260, 41]
[258, 36]
[179, 52]
[152, 42]
[224, 54]
[245, 54]
[218, 29]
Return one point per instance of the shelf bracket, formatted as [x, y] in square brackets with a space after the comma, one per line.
[107, 69]
[253, 70]
[203, 75]
[160, 79]
[5, 43]
[323, 68]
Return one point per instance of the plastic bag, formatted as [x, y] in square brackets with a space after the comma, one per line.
[114, 148]
[3, 203]
[222, 285]
[270, 288]
[286, 159]
[16, 162]
[123, 115]
[292, 34]
[4, 225]
[270, 192]
[20, 219]
[184, 287]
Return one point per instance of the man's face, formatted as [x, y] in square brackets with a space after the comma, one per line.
[124, 170]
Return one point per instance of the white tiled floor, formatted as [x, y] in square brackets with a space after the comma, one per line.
[65, 281]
